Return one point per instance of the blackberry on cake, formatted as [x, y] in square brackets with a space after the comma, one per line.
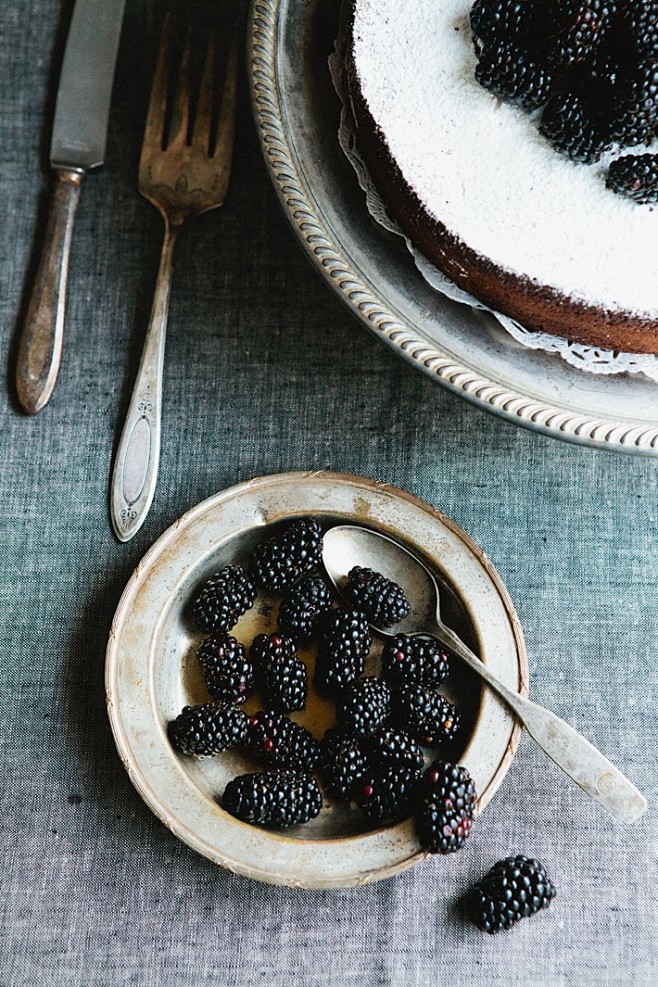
[380, 599]
[343, 647]
[208, 729]
[426, 715]
[508, 72]
[303, 605]
[497, 20]
[445, 805]
[635, 176]
[287, 555]
[580, 29]
[343, 763]
[571, 130]
[227, 672]
[279, 742]
[514, 888]
[365, 706]
[280, 674]
[223, 599]
[415, 661]
[388, 793]
[273, 799]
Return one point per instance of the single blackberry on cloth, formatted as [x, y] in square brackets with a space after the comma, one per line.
[274, 799]
[445, 805]
[381, 600]
[567, 124]
[635, 176]
[208, 729]
[287, 555]
[280, 674]
[223, 599]
[226, 671]
[509, 73]
[343, 763]
[387, 794]
[390, 748]
[365, 705]
[342, 650]
[279, 742]
[425, 715]
[302, 607]
[415, 661]
[514, 888]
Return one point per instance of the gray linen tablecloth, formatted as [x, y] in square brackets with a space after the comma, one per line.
[266, 372]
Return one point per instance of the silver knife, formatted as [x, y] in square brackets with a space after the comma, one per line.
[77, 147]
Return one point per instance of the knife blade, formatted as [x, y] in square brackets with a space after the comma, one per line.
[77, 147]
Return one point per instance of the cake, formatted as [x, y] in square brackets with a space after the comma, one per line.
[482, 192]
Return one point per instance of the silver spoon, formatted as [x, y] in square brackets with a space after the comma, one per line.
[348, 545]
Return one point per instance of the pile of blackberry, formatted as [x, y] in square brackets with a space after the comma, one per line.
[588, 68]
[374, 758]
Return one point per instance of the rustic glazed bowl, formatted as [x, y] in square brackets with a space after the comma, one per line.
[151, 673]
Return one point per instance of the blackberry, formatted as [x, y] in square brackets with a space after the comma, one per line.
[634, 113]
[444, 807]
[274, 799]
[426, 715]
[228, 675]
[279, 742]
[395, 748]
[287, 555]
[223, 599]
[388, 794]
[281, 676]
[571, 130]
[581, 26]
[509, 73]
[342, 651]
[415, 661]
[498, 20]
[635, 176]
[303, 605]
[343, 763]
[208, 729]
[513, 889]
[364, 706]
[380, 599]
[641, 23]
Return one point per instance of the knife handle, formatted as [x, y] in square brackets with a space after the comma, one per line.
[40, 348]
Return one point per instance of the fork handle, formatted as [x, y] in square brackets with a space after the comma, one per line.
[136, 465]
[40, 347]
[572, 753]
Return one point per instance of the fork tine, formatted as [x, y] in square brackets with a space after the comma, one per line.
[203, 119]
[180, 110]
[155, 116]
[226, 119]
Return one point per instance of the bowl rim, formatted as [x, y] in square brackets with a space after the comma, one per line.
[116, 707]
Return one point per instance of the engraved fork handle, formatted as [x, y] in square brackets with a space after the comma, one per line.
[136, 465]
[40, 348]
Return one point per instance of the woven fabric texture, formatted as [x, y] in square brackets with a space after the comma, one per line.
[266, 372]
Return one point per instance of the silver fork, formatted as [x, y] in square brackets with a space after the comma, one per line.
[183, 172]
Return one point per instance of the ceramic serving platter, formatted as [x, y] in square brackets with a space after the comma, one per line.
[152, 672]
[297, 115]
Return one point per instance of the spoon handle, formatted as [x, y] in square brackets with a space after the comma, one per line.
[575, 755]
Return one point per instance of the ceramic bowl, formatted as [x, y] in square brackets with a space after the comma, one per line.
[152, 672]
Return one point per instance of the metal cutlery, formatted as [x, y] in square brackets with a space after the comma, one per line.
[77, 147]
[184, 171]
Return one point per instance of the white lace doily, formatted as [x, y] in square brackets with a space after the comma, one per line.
[591, 359]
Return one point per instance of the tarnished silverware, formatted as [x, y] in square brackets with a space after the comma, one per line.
[184, 171]
[77, 147]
